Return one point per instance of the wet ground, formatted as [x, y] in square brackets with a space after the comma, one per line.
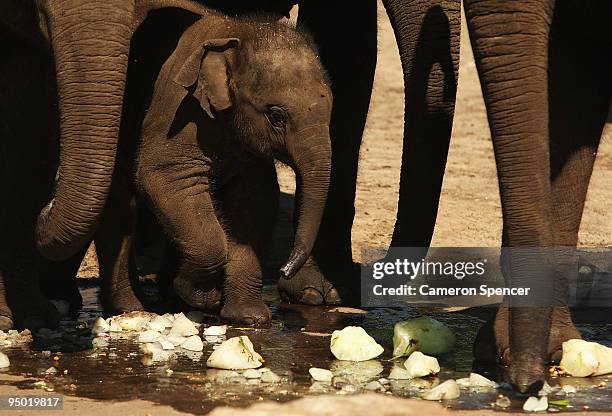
[297, 340]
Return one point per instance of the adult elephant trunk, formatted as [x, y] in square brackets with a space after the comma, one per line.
[90, 42]
[511, 48]
[310, 152]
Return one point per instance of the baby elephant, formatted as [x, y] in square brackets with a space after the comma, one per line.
[234, 95]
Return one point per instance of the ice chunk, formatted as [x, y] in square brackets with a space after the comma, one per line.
[446, 391]
[583, 359]
[320, 374]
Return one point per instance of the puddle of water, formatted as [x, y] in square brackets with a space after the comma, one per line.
[295, 342]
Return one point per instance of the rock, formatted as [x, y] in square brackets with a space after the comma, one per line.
[374, 386]
[583, 359]
[149, 336]
[270, 377]
[215, 330]
[327, 405]
[448, 390]
[236, 353]
[363, 371]
[320, 374]
[421, 365]
[535, 404]
[251, 374]
[183, 327]
[100, 326]
[354, 344]
[193, 343]
[4, 360]
[423, 334]
[399, 373]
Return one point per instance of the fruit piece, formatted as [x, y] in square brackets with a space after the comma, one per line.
[422, 334]
[534, 404]
[583, 359]
[354, 344]
[236, 353]
[320, 374]
[421, 365]
[446, 391]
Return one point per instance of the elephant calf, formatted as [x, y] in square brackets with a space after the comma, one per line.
[235, 94]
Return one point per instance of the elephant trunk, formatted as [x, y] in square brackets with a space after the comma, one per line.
[90, 42]
[310, 152]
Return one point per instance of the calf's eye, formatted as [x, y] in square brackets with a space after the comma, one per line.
[276, 116]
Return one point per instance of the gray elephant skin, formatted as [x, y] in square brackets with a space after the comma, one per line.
[235, 94]
[547, 88]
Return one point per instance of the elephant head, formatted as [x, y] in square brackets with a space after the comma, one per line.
[90, 41]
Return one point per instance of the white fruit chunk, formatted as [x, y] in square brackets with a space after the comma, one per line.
[193, 343]
[320, 374]
[446, 391]
[583, 359]
[399, 373]
[236, 353]
[4, 360]
[534, 404]
[354, 344]
[421, 365]
[156, 352]
[100, 326]
[148, 336]
[422, 334]
[215, 330]
[183, 326]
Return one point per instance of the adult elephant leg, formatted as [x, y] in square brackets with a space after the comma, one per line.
[348, 51]
[26, 171]
[428, 34]
[250, 232]
[578, 73]
[58, 279]
[510, 43]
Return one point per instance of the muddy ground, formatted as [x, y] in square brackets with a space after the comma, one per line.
[469, 212]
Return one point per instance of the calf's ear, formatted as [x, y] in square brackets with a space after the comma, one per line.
[207, 68]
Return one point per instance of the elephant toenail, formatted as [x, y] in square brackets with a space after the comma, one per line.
[333, 297]
[6, 323]
[311, 296]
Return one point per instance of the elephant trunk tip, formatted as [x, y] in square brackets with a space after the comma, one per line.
[296, 260]
[48, 242]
